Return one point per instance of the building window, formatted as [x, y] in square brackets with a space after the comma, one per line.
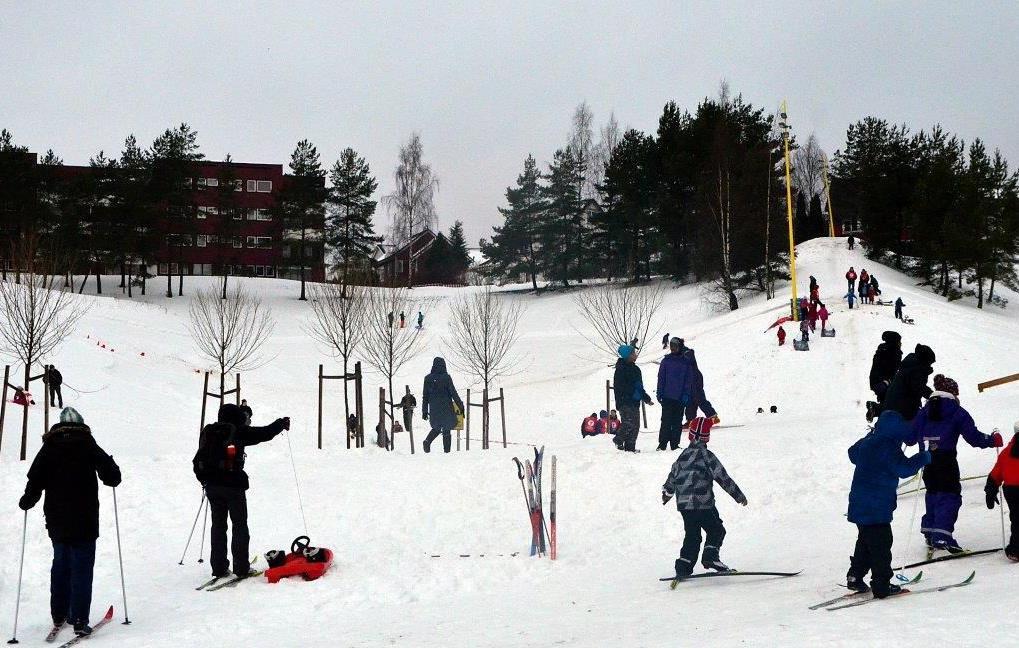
[204, 212]
[203, 240]
[238, 185]
[261, 186]
[212, 182]
[259, 241]
[286, 251]
[260, 215]
[309, 252]
[237, 242]
[238, 214]
[201, 183]
[399, 266]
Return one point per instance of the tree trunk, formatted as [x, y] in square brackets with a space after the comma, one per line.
[169, 281]
[346, 401]
[224, 283]
[99, 282]
[303, 297]
[24, 415]
[123, 274]
[130, 277]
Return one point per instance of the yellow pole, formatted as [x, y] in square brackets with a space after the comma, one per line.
[827, 195]
[789, 208]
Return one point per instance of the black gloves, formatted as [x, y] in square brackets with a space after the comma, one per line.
[27, 501]
[648, 400]
[666, 496]
[742, 500]
[286, 423]
[424, 415]
[991, 493]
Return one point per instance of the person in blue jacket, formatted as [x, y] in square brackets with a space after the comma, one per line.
[676, 391]
[880, 464]
[940, 424]
[628, 385]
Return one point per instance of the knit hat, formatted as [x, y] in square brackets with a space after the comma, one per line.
[946, 384]
[700, 429]
[891, 337]
[71, 415]
[676, 343]
[603, 414]
[925, 353]
[625, 351]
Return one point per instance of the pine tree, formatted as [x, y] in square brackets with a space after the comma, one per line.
[460, 256]
[625, 235]
[514, 249]
[563, 231]
[301, 201]
[173, 155]
[349, 228]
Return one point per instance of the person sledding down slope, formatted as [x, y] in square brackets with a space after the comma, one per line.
[940, 424]
[880, 464]
[691, 480]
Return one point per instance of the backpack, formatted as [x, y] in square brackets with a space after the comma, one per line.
[217, 452]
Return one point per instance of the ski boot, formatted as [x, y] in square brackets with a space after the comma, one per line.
[856, 584]
[893, 589]
[82, 630]
[716, 565]
[952, 547]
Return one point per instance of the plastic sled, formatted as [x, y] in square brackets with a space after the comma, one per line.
[801, 345]
[828, 332]
[296, 564]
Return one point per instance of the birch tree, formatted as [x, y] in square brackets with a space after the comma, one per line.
[339, 319]
[412, 201]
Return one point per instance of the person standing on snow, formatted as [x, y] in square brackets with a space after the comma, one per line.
[628, 388]
[692, 480]
[940, 424]
[879, 465]
[66, 469]
[887, 359]
[246, 409]
[875, 289]
[812, 316]
[898, 308]
[1005, 475]
[219, 466]
[822, 314]
[851, 279]
[665, 341]
[852, 242]
[781, 336]
[53, 380]
[805, 330]
[850, 297]
[421, 320]
[437, 399]
[910, 383]
[403, 320]
[675, 391]
[864, 283]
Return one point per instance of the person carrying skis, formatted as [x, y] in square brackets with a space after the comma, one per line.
[438, 396]
[851, 279]
[628, 388]
[1005, 475]
[589, 426]
[940, 424]
[219, 466]
[910, 383]
[65, 469]
[898, 308]
[879, 465]
[887, 359]
[822, 314]
[691, 481]
[851, 298]
[675, 391]
[53, 380]
[781, 336]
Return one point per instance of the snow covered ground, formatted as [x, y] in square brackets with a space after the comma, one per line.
[386, 514]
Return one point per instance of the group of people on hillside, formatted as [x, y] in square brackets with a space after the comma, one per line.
[869, 289]
[900, 386]
[604, 422]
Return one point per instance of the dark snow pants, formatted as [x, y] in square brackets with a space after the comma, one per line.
[943, 498]
[71, 581]
[226, 501]
[672, 424]
[1011, 494]
[852, 285]
[626, 438]
[873, 553]
[56, 398]
[447, 439]
[694, 522]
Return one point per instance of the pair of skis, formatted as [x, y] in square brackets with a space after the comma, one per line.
[530, 483]
[52, 636]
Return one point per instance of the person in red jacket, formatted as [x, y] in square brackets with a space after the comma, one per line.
[589, 426]
[1005, 475]
[812, 315]
[781, 336]
[22, 397]
[822, 314]
[851, 279]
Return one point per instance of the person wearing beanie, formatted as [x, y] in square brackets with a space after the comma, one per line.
[691, 481]
[677, 385]
[628, 388]
[65, 469]
[1005, 475]
[219, 466]
[909, 385]
[887, 359]
[940, 424]
[879, 464]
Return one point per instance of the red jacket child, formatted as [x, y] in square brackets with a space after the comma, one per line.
[781, 336]
[1006, 474]
[589, 426]
[851, 275]
[22, 397]
[1006, 469]
[822, 314]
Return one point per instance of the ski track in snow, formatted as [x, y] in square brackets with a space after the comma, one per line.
[385, 514]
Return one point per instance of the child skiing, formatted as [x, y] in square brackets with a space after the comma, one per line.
[1005, 475]
[691, 480]
[880, 464]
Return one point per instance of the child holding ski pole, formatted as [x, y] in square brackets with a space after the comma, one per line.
[1005, 475]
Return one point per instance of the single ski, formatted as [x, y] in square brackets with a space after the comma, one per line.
[733, 572]
[551, 515]
[965, 554]
[232, 581]
[106, 619]
[922, 590]
[852, 595]
[52, 636]
[212, 581]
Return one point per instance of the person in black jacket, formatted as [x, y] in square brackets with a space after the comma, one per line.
[887, 359]
[219, 466]
[53, 381]
[910, 383]
[65, 469]
[628, 387]
[437, 398]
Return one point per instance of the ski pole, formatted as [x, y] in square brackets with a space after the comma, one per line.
[201, 547]
[912, 522]
[120, 556]
[21, 567]
[527, 501]
[293, 464]
[1001, 510]
[201, 504]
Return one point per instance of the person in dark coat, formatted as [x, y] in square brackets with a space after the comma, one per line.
[676, 391]
[887, 359]
[898, 307]
[910, 383]
[437, 399]
[246, 409]
[665, 341]
[628, 388]
[408, 404]
[53, 380]
[66, 469]
[219, 466]
[879, 465]
[852, 242]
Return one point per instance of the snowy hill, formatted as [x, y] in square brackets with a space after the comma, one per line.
[387, 514]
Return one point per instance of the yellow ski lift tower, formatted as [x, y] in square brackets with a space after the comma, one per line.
[827, 197]
[784, 124]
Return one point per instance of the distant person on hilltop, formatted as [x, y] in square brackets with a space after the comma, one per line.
[665, 341]
[898, 308]
[421, 320]
[852, 242]
[851, 279]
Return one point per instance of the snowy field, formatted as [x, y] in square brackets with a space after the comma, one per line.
[386, 514]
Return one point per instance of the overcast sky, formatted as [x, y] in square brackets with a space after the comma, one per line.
[487, 83]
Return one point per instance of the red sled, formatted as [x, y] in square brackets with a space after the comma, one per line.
[296, 564]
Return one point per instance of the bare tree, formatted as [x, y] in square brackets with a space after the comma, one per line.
[619, 314]
[482, 332]
[610, 136]
[582, 146]
[339, 323]
[36, 316]
[231, 332]
[412, 201]
[808, 168]
[387, 345]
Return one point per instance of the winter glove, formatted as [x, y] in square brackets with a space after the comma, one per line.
[991, 493]
[286, 423]
[424, 415]
[648, 400]
[996, 440]
[742, 501]
[27, 501]
[666, 496]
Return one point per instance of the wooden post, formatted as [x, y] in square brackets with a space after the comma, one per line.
[359, 405]
[467, 421]
[382, 417]
[320, 412]
[484, 419]
[46, 399]
[205, 392]
[238, 376]
[608, 388]
[3, 402]
[502, 410]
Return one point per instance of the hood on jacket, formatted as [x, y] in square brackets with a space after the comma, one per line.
[942, 406]
[892, 426]
[891, 337]
[925, 353]
[63, 432]
[438, 366]
[232, 414]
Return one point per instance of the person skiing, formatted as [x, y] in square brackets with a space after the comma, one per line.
[665, 341]
[52, 378]
[628, 388]
[22, 397]
[822, 314]
[691, 480]
[675, 391]
[910, 383]
[898, 308]
[219, 467]
[781, 336]
[887, 359]
[421, 320]
[1005, 475]
[852, 241]
[65, 469]
[879, 465]
[851, 279]
[851, 298]
[437, 399]
[940, 424]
